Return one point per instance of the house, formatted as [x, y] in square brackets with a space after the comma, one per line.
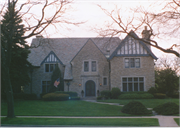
[92, 64]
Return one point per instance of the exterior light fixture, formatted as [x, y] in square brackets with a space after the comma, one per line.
[79, 85]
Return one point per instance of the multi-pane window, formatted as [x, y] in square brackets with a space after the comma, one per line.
[90, 66]
[132, 62]
[93, 67]
[105, 81]
[86, 66]
[45, 86]
[133, 84]
[49, 67]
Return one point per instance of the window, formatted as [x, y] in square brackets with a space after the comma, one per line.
[45, 86]
[86, 66]
[133, 84]
[132, 62]
[105, 81]
[49, 67]
[93, 67]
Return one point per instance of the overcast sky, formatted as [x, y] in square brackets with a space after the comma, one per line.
[87, 10]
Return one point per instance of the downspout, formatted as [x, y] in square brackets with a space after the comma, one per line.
[109, 75]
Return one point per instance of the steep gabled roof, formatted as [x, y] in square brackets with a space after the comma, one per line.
[66, 48]
[138, 48]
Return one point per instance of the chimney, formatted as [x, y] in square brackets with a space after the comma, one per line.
[146, 34]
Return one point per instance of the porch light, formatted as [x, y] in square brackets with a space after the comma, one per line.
[100, 84]
[79, 85]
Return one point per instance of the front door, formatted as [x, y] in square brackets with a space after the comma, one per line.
[90, 88]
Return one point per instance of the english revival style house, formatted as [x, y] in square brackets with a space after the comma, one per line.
[92, 64]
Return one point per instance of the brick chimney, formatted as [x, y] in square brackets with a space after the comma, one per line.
[146, 34]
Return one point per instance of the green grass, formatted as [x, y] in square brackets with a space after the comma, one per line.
[177, 121]
[144, 122]
[62, 108]
[149, 103]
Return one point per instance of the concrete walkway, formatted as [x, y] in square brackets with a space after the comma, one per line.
[164, 121]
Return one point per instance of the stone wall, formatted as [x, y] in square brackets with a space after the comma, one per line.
[146, 70]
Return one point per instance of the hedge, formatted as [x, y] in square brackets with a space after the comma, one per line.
[75, 98]
[55, 97]
[136, 95]
[71, 94]
[160, 95]
[115, 93]
[106, 94]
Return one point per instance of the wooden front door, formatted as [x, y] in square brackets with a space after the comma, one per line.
[90, 88]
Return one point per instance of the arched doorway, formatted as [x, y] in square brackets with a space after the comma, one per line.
[90, 88]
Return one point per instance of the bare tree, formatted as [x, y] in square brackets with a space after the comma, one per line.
[33, 25]
[155, 21]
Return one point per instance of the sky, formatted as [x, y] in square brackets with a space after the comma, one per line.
[87, 10]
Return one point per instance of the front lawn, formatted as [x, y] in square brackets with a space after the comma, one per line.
[62, 108]
[144, 122]
[149, 103]
[177, 121]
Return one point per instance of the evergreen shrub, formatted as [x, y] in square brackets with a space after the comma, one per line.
[115, 93]
[99, 98]
[152, 90]
[106, 94]
[136, 95]
[75, 98]
[160, 95]
[71, 94]
[135, 108]
[55, 97]
[24, 96]
[168, 108]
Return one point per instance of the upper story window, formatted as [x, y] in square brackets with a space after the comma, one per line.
[86, 66]
[132, 62]
[93, 68]
[90, 66]
[49, 67]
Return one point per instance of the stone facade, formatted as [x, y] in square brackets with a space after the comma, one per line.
[89, 52]
[146, 70]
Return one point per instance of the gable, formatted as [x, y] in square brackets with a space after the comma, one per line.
[51, 58]
[131, 47]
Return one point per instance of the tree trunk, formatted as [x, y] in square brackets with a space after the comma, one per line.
[9, 97]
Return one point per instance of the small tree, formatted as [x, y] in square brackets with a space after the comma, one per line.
[166, 81]
[56, 74]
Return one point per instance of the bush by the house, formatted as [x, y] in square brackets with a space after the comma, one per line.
[135, 108]
[115, 93]
[71, 94]
[99, 98]
[106, 94]
[152, 90]
[30, 96]
[136, 95]
[160, 95]
[169, 108]
[55, 97]
[75, 98]
[42, 94]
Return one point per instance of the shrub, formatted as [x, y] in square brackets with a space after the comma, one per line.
[136, 95]
[30, 96]
[99, 98]
[55, 97]
[135, 108]
[175, 95]
[75, 98]
[160, 95]
[115, 93]
[169, 108]
[106, 94]
[71, 94]
[152, 90]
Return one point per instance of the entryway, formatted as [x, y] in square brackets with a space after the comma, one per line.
[90, 88]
